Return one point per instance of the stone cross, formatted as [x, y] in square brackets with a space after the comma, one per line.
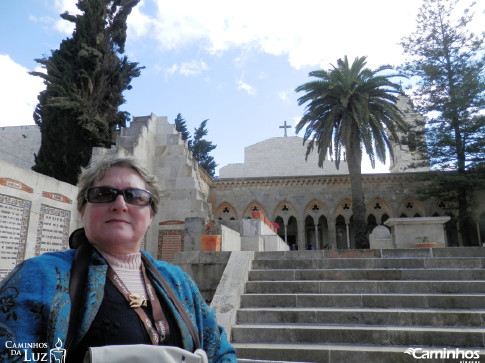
[285, 126]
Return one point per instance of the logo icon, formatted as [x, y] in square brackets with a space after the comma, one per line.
[57, 354]
[410, 351]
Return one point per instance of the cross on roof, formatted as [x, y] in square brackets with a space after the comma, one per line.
[285, 126]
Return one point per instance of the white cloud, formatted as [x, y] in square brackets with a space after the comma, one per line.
[243, 86]
[193, 68]
[18, 94]
[309, 32]
[173, 69]
[188, 68]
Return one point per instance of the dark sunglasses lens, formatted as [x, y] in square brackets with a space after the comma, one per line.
[101, 195]
[137, 196]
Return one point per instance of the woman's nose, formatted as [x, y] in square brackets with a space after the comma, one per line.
[119, 203]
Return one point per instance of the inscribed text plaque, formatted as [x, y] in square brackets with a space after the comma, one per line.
[14, 222]
[53, 230]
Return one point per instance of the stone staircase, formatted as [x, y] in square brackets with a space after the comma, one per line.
[364, 306]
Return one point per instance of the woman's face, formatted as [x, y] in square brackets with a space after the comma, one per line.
[117, 227]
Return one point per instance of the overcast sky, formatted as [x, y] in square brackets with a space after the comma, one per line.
[235, 63]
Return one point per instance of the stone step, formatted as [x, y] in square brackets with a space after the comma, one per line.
[369, 263]
[367, 274]
[375, 316]
[406, 301]
[451, 252]
[363, 306]
[359, 334]
[365, 286]
[346, 353]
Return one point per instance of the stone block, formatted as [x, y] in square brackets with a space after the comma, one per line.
[231, 240]
[380, 238]
[407, 232]
[254, 243]
[274, 243]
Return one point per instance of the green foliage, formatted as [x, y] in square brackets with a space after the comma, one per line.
[84, 81]
[199, 146]
[181, 126]
[351, 108]
[201, 149]
[448, 62]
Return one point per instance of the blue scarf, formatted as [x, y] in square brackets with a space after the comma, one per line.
[35, 307]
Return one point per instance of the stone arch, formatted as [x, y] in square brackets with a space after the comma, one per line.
[285, 210]
[343, 223]
[285, 214]
[441, 208]
[377, 212]
[344, 209]
[315, 209]
[378, 207]
[225, 211]
[253, 206]
[316, 225]
[411, 207]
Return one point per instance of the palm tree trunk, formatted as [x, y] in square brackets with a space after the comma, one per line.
[354, 161]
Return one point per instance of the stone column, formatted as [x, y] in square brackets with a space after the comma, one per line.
[301, 234]
[317, 237]
[347, 229]
[331, 234]
[285, 224]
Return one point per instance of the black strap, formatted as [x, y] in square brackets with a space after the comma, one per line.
[79, 272]
[174, 299]
[161, 330]
[77, 282]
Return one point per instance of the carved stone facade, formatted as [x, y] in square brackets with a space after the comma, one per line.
[315, 212]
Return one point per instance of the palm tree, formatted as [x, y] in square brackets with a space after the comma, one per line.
[351, 108]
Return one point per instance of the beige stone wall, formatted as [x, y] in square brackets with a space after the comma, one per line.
[280, 156]
[406, 158]
[18, 144]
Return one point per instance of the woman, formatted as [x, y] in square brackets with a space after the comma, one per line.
[102, 293]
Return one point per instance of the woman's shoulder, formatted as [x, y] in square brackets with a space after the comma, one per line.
[41, 272]
[61, 260]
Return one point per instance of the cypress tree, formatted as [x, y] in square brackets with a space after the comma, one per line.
[84, 81]
[201, 149]
[181, 126]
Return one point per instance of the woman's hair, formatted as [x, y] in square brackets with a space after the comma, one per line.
[98, 168]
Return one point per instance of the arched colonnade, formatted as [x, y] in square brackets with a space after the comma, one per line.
[318, 226]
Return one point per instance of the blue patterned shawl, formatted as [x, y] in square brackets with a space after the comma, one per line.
[35, 307]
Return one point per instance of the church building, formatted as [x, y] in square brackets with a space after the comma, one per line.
[311, 206]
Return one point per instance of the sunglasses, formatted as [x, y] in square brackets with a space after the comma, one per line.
[107, 195]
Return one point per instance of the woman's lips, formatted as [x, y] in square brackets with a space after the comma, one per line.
[116, 221]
